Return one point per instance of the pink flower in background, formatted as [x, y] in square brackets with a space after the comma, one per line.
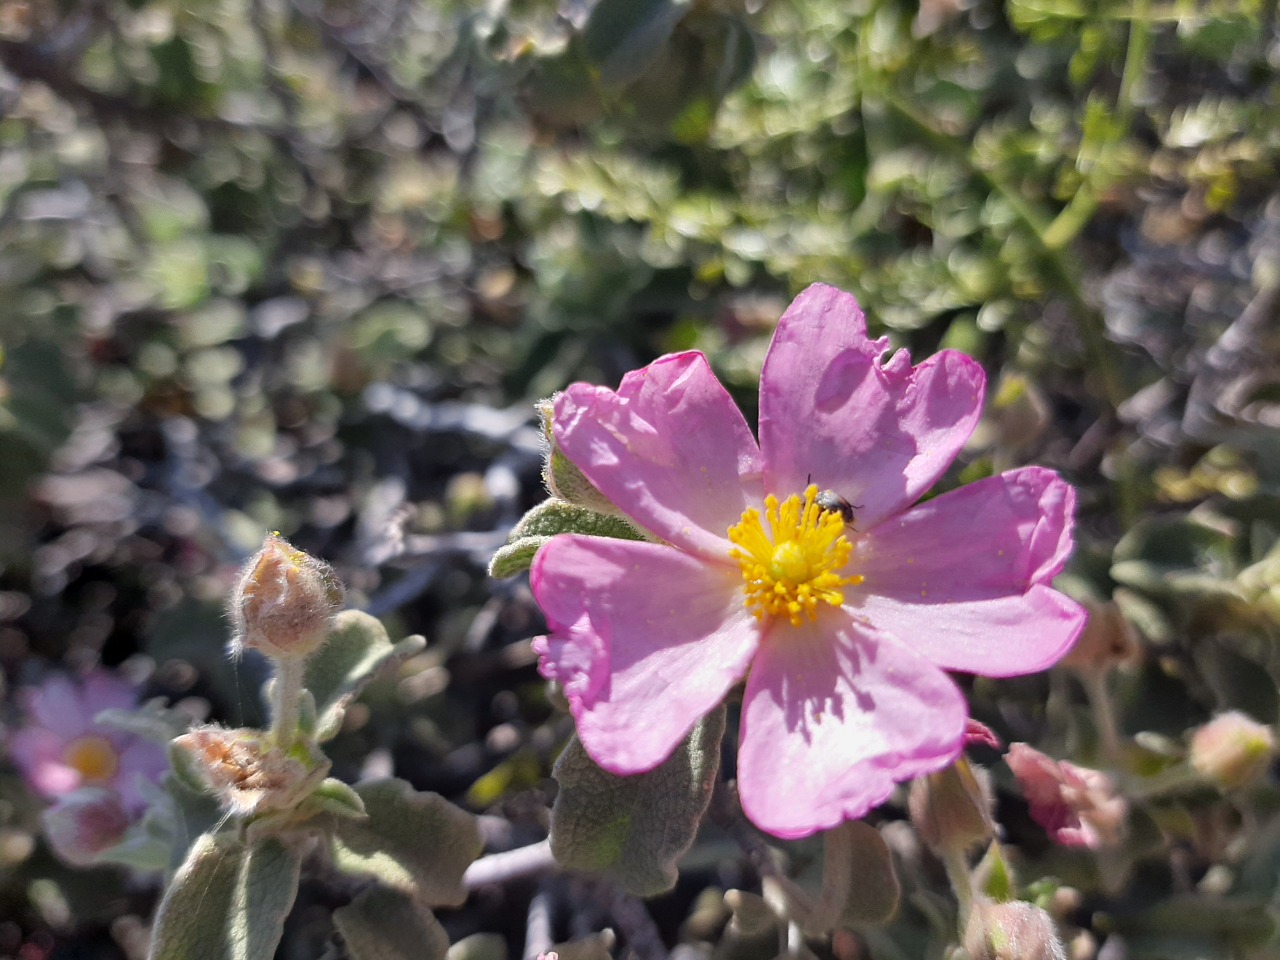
[1076, 806]
[60, 748]
[842, 616]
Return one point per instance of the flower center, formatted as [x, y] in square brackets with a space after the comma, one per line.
[94, 758]
[791, 557]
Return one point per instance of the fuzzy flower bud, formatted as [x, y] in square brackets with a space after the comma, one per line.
[284, 602]
[1011, 931]
[1108, 641]
[563, 478]
[951, 809]
[1232, 750]
[81, 825]
[245, 771]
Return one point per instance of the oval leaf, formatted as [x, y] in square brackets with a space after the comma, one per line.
[385, 924]
[635, 829]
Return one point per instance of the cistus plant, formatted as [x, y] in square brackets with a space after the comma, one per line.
[800, 569]
[268, 804]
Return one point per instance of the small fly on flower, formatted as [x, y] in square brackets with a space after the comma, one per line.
[829, 501]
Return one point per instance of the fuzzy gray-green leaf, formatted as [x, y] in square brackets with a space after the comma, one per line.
[386, 924]
[635, 829]
[357, 649]
[227, 902]
[547, 519]
[415, 842]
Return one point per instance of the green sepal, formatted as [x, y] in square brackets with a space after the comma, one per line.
[547, 519]
[418, 843]
[227, 902]
[333, 796]
[357, 648]
[386, 924]
[635, 829]
[996, 876]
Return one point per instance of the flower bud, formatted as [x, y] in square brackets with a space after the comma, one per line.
[561, 475]
[246, 773]
[284, 602]
[1076, 806]
[1011, 931]
[951, 809]
[1107, 641]
[81, 825]
[1232, 750]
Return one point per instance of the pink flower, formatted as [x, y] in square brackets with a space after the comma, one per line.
[84, 824]
[841, 629]
[61, 749]
[1077, 807]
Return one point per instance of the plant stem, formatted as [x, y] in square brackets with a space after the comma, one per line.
[957, 866]
[284, 700]
[1104, 716]
[496, 868]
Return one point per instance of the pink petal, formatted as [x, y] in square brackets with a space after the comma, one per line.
[58, 705]
[670, 448]
[836, 714]
[141, 761]
[38, 754]
[963, 578]
[878, 435]
[103, 690]
[645, 639]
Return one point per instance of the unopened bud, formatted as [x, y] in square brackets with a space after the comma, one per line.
[1233, 750]
[951, 809]
[285, 601]
[83, 824]
[246, 772]
[1107, 641]
[1011, 931]
[561, 475]
[1076, 806]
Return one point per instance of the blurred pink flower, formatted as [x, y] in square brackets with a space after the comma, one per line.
[60, 748]
[1076, 806]
[842, 625]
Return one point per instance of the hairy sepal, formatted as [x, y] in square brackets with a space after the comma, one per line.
[547, 519]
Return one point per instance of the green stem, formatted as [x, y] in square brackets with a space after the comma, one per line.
[1104, 716]
[285, 696]
[957, 866]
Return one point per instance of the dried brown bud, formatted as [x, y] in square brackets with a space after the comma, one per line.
[1011, 931]
[284, 602]
[951, 809]
[1233, 750]
[246, 773]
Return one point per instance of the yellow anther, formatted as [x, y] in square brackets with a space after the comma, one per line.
[792, 557]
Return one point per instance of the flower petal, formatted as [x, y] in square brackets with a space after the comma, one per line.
[106, 691]
[877, 434]
[963, 578]
[38, 754]
[670, 448]
[834, 716]
[645, 639]
[58, 705]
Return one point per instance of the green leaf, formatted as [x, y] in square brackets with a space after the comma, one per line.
[357, 649]
[415, 842]
[635, 829]
[385, 924]
[547, 519]
[227, 902]
[151, 721]
[874, 890]
[623, 37]
[480, 946]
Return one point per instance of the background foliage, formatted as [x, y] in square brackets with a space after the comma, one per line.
[305, 266]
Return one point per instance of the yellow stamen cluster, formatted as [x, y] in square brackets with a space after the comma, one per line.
[794, 563]
[94, 758]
